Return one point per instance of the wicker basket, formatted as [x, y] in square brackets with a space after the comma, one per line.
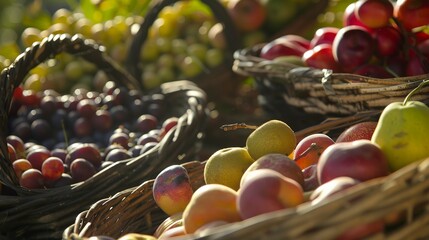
[43, 214]
[211, 79]
[404, 191]
[304, 96]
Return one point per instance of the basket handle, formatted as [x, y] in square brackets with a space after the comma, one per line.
[12, 76]
[232, 39]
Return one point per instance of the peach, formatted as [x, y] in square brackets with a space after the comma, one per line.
[172, 189]
[279, 163]
[211, 202]
[255, 198]
[309, 149]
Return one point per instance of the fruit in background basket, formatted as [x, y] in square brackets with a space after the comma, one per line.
[374, 13]
[401, 133]
[20, 166]
[281, 46]
[37, 156]
[81, 169]
[350, 18]
[207, 228]
[352, 47]
[323, 35]
[362, 130]
[210, 202]
[308, 150]
[388, 41]
[32, 179]
[247, 15]
[412, 13]
[279, 163]
[52, 168]
[226, 166]
[255, 198]
[87, 151]
[172, 189]
[360, 159]
[273, 136]
[321, 57]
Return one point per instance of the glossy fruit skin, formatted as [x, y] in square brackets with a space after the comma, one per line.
[401, 133]
[360, 159]
[374, 13]
[362, 130]
[248, 15]
[281, 47]
[352, 47]
[321, 57]
[412, 13]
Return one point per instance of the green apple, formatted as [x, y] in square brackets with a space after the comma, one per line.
[402, 133]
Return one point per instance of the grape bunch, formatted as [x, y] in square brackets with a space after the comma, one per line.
[56, 140]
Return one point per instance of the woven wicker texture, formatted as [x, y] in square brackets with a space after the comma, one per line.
[43, 214]
[294, 93]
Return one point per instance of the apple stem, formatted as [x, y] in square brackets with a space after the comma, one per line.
[235, 126]
[420, 86]
[313, 146]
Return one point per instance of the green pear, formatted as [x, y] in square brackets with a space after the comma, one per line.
[402, 133]
[274, 136]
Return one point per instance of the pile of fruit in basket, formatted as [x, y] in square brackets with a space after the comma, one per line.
[378, 38]
[298, 169]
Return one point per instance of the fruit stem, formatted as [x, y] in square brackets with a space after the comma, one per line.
[420, 86]
[235, 126]
[313, 146]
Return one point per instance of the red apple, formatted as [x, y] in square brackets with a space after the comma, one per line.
[281, 47]
[303, 42]
[247, 15]
[374, 13]
[362, 130]
[324, 35]
[388, 41]
[350, 18]
[353, 46]
[321, 57]
[309, 149]
[412, 13]
[360, 159]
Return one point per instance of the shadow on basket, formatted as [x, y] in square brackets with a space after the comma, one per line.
[45, 206]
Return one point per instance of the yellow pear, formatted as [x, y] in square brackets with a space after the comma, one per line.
[274, 136]
[402, 133]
